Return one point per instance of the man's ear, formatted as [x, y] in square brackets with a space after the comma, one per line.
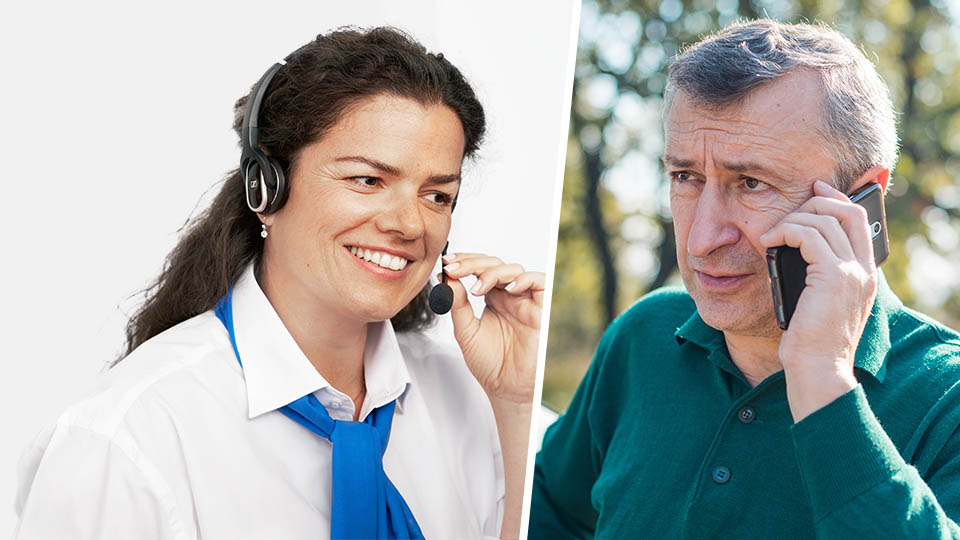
[877, 173]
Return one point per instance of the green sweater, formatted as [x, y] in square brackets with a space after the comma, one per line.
[665, 439]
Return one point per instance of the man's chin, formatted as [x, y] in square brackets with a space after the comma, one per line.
[736, 315]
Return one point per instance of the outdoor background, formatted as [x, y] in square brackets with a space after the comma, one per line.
[616, 237]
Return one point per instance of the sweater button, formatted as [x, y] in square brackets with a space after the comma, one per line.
[746, 415]
[721, 475]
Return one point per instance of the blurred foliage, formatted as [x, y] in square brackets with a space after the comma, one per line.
[615, 238]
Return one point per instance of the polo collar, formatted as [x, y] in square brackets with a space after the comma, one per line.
[871, 350]
[277, 372]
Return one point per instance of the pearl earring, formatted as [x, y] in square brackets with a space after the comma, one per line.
[263, 233]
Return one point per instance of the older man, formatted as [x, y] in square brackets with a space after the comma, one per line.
[699, 417]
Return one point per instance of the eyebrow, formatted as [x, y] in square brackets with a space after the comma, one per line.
[676, 162]
[741, 167]
[395, 171]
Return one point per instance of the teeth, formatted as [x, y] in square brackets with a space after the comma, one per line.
[384, 260]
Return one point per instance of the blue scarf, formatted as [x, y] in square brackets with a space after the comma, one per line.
[365, 502]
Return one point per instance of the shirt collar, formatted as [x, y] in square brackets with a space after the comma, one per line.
[871, 350]
[277, 372]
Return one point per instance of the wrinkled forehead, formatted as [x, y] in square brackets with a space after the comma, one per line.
[782, 120]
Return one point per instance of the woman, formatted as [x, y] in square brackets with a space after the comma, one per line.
[299, 295]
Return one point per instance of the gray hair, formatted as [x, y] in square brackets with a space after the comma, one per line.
[858, 117]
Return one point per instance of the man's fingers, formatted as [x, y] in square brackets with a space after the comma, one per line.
[828, 227]
[852, 217]
[813, 246]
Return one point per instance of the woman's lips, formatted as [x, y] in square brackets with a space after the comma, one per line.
[720, 281]
[379, 262]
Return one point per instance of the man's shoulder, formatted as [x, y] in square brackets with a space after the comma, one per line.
[647, 330]
[662, 310]
[924, 344]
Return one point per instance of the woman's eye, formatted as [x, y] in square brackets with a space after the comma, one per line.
[440, 198]
[366, 181]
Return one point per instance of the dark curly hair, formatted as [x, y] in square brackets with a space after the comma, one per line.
[317, 86]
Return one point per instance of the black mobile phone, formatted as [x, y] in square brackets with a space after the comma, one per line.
[788, 270]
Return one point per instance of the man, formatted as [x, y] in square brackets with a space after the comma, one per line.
[699, 417]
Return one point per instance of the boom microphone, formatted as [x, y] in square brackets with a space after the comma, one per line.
[441, 295]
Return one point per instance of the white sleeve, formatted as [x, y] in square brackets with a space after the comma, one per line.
[80, 484]
[494, 522]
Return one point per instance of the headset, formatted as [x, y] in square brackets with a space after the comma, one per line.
[263, 180]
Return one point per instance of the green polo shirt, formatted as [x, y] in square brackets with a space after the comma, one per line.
[666, 439]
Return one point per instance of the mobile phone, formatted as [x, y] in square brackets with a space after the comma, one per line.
[788, 270]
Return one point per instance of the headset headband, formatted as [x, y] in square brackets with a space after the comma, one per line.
[262, 176]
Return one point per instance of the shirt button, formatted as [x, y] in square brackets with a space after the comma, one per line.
[746, 415]
[335, 405]
[721, 475]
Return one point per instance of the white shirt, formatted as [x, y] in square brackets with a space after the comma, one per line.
[183, 444]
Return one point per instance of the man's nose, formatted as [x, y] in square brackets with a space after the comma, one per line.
[402, 216]
[713, 223]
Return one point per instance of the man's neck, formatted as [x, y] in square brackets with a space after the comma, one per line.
[757, 357]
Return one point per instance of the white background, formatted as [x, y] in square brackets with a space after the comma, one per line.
[117, 120]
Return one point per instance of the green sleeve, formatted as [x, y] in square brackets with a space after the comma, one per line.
[858, 484]
[567, 466]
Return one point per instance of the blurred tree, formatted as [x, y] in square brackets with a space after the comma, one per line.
[616, 238]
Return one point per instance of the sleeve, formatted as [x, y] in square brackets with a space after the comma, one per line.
[81, 484]
[567, 466]
[858, 484]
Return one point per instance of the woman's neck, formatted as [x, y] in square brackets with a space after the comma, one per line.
[331, 343]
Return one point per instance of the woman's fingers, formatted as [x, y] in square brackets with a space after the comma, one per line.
[490, 271]
[461, 312]
[527, 281]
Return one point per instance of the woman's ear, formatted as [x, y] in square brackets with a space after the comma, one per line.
[877, 173]
[266, 219]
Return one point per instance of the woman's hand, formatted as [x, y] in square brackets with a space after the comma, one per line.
[500, 347]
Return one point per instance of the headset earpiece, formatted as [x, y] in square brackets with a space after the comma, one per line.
[263, 179]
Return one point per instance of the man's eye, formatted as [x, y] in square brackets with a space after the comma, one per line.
[752, 184]
[681, 176]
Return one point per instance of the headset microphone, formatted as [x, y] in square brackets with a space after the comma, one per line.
[441, 295]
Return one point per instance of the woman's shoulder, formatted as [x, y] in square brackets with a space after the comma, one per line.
[129, 427]
[190, 353]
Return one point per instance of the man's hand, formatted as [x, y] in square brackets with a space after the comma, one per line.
[818, 349]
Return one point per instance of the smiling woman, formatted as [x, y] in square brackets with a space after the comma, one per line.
[300, 295]
[383, 180]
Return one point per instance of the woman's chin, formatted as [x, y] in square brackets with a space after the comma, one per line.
[377, 312]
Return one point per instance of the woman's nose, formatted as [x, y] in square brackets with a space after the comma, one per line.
[402, 215]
